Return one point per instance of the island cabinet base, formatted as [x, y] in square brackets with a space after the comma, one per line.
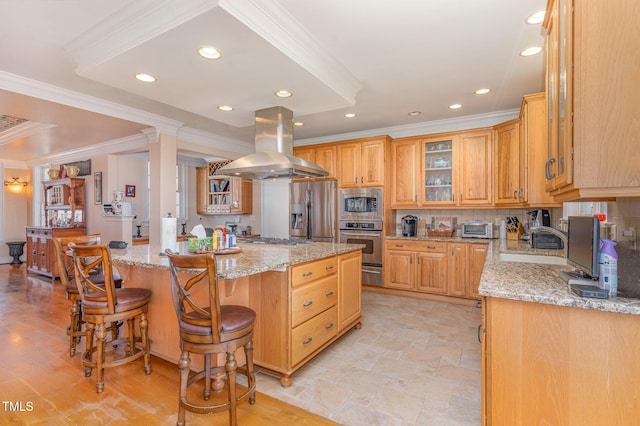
[549, 364]
[285, 336]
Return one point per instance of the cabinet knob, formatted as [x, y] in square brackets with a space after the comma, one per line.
[307, 341]
[309, 303]
[329, 294]
[329, 326]
[329, 267]
[307, 274]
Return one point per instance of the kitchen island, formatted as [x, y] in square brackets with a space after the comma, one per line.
[277, 282]
[549, 356]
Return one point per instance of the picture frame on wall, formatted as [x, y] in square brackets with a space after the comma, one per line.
[97, 181]
[129, 190]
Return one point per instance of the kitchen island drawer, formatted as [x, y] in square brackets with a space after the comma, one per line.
[309, 300]
[303, 274]
[311, 335]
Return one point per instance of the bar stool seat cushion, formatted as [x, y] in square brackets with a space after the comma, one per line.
[233, 319]
[128, 299]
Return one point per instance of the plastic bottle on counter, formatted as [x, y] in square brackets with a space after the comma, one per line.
[232, 239]
[608, 267]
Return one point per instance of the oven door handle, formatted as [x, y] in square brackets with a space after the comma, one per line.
[362, 234]
[372, 271]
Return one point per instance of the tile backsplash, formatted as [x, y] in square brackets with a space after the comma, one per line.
[484, 215]
[622, 223]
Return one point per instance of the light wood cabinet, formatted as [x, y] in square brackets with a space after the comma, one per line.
[510, 162]
[549, 364]
[465, 269]
[474, 161]
[218, 194]
[443, 170]
[349, 289]
[449, 269]
[593, 107]
[533, 135]
[324, 155]
[477, 255]
[41, 254]
[406, 174]
[361, 162]
[416, 265]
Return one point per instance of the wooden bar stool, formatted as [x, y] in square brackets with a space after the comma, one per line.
[64, 263]
[103, 305]
[210, 330]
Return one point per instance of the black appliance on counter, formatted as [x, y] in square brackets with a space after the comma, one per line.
[544, 240]
[539, 217]
[409, 226]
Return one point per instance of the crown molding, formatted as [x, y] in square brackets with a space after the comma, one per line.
[271, 21]
[425, 128]
[49, 92]
[134, 24]
[23, 130]
[123, 145]
[211, 140]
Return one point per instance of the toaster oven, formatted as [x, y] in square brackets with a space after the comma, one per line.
[477, 229]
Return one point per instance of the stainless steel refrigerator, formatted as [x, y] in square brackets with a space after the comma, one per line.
[312, 210]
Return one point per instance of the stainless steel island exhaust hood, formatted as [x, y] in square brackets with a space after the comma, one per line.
[274, 151]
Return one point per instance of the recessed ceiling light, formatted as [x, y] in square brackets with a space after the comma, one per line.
[536, 18]
[349, 115]
[284, 94]
[298, 123]
[482, 91]
[530, 51]
[455, 106]
[225, 108]
[209, 52]
[414, 113]
[146, 78]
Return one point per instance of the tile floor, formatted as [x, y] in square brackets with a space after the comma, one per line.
[414, 362]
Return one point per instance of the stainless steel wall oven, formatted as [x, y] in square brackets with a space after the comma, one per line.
[370, 235]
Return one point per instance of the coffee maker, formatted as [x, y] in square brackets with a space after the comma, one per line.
[409, 226]
[539, 218]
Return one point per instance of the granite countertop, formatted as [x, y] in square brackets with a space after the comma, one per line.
[253, 259]
[540, 283]
[531, 282]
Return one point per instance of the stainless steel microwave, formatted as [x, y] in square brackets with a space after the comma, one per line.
[360, 204]
[477, 229]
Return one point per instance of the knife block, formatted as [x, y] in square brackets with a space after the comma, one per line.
[519, 232]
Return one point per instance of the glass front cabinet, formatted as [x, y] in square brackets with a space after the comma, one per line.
[438, 172]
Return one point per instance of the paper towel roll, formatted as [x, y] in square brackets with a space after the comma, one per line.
[169, 234]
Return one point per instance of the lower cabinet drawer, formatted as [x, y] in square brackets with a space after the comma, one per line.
[309, 336]
[309, 300]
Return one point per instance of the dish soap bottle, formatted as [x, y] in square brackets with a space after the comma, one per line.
[608, 267]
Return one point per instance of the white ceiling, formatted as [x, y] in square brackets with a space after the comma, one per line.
[380, 59]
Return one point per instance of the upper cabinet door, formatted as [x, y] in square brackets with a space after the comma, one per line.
[372, 163]
[475, 168]
[325, 157]
[405, 178]
[361, 164]
[349, 165]
[508, 188]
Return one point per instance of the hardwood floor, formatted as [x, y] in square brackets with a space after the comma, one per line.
[41, 384]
